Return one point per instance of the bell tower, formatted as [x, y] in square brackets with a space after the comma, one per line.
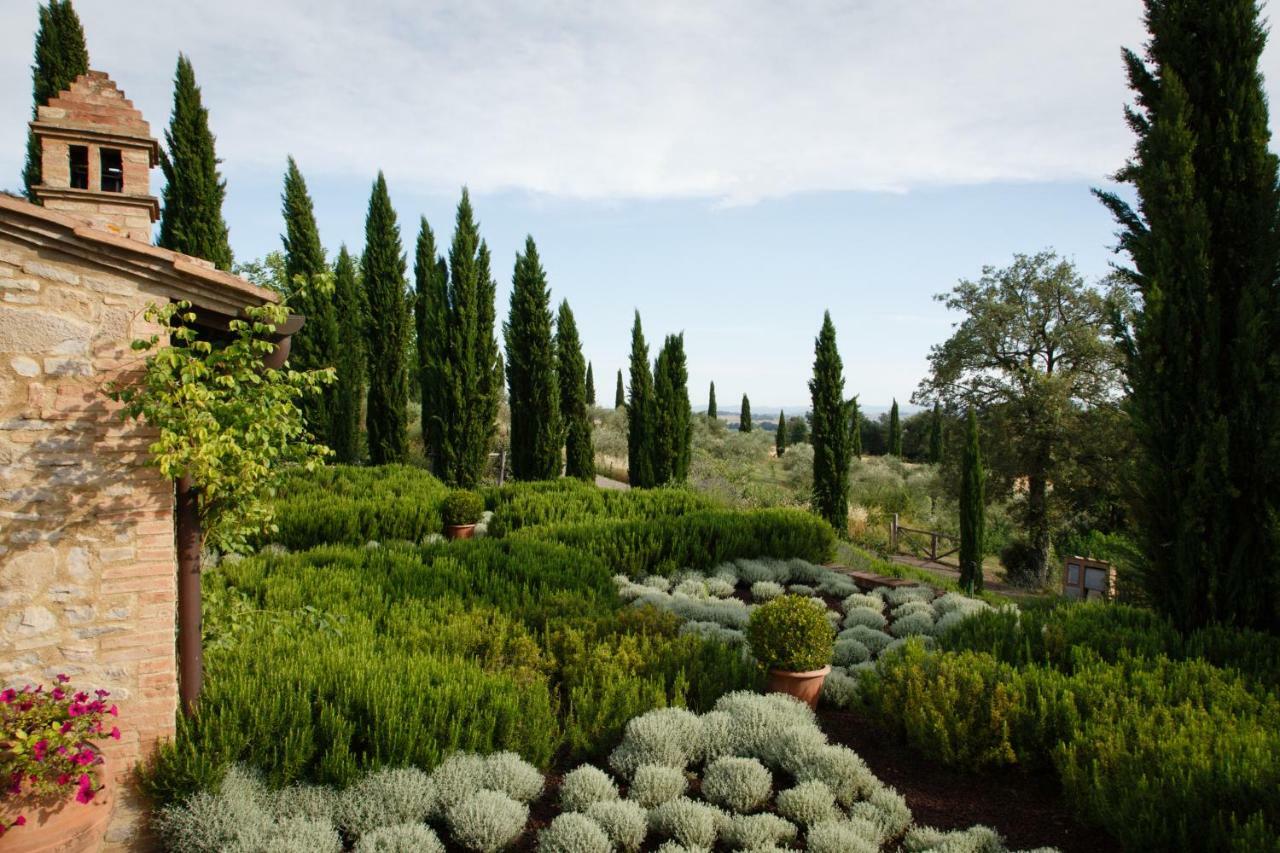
[96, 158]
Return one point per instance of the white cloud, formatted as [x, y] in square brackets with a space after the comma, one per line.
[732, 101]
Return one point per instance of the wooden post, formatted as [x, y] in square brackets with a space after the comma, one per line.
[190, 654]
[502, 465]
[893, 534]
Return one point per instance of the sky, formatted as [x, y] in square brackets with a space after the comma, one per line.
[729, 169]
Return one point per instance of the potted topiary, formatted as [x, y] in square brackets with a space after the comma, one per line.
[57, 785]
[792, 636]
[461, 511]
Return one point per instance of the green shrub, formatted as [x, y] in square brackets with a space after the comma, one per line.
[462, 507]
[790, 633]
[568, 501]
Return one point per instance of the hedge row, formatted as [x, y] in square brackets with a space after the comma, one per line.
[350, 505]
[699, 540]
[568, 501]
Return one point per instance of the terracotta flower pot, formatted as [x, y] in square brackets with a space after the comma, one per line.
[805, 686]
[59, 824]
[459, 531]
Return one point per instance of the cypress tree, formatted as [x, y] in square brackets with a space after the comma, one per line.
[640, 414]
[619, 397]
[591, 385]
[830, 434]
[744, 415]
[344, 437]
[60, 57]
[972, 509]
[855, 428]
[383, 271]
[473, 367]
[935, 435]
[191, 220]
[533, 390]
[579, 453]
[430, 313]
[311, 293]
[673, 430]
[1204, 351]
[780, 440]
[895, 431]
[711, 403]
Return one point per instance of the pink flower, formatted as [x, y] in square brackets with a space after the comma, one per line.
[66, 727]
[15, 783]
[102, 694]
[82, 696]
[8, 695]
[63, 679]
[41, 746]
[113, 711]
[84, 793]
[76, 708]
[115, 732]
[58, 694]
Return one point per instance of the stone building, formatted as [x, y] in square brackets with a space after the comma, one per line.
[87, 555]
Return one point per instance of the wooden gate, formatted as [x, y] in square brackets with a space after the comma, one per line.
[936, 540]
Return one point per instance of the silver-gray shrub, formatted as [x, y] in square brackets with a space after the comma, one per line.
[713, 631]
[762, 591]
[952, 618]
[886, 809]
[841, 836]
[574, 833]
[975, 839]
[874, 640]
[400, 838]
[910, 607]
[720, 587]
[657, 582]
[836, 584]
[671, 737]
[653, 784]
[864, 616]
[802, 571]
[487, 821]
[626, 823]
[384, 797]
[456, 778]
[842, 770]
[692, 588]
[210, 822]
[860, 600]
[903, 594]
[849, 652]
[759, 831]
[719, 737]
[512, 775]
[761, 723]
[294, 835]
[763, 569]
[807, 803]
[740, 785]
[690, 823]
[911, 625]
[840, 690]
[924, 640]
[584, 786]
[313, 802]
[801, 589]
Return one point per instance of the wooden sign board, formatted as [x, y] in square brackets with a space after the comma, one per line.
[1086, 578]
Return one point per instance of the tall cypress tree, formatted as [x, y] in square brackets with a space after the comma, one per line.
[430, 315]
[473, 367]
[579, 453]
[673, 421]
[744, 415]
[619, 396]
[591, 384]
[386, 338]
[935, 434]
[1204, 348]
[895, 431]
[972, 509]
[830, 435]
[640, 414]
[60, 57]
[711, 403]
[311, 293]
[780, 440]
[855, 429]
[533, 390]
[191, 220]
[348, 299]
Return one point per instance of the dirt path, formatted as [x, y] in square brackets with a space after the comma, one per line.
[606, 483]
[948, 572]
[1027, 809]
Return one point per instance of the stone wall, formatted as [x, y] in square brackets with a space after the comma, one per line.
[87, 563]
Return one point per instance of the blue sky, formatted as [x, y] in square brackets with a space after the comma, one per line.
[729, 169]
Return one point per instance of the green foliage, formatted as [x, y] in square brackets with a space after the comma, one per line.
[895, 432]
[223, 420]
[780, 438]
[641, 414]
[580, 460]
[191, 214]
[696, 540]
[619, 397]
[351, 505]
[591, 380]
[855, 429]
[60, 57]
[349, 391]
[462, 507]
[533, 389]
[711, 403]
[673, 418]
[973, 505]
[473, 377]
[791, 633]
[935, 435]
[386, 338]
[570, 501]
[430, 312]
[1204, 240]
[744, 415]
[832, 449]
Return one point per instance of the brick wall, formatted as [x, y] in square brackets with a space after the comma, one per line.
[87, 563]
